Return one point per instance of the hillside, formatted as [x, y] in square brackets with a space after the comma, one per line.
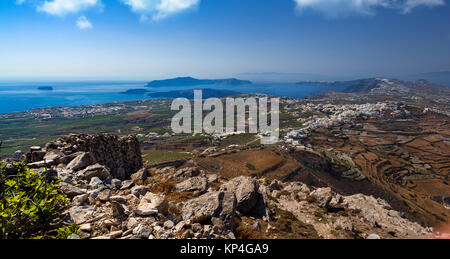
[114, 197]
[442, 78]
[384, 85]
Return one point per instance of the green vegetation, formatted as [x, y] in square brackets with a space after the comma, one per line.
[241, 139]
[29, 202]
[251, 167]
[156, 156]
[20, 131]
[66, 231]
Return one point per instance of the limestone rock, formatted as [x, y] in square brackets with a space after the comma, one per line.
[246, 193]
[195, 184]
[323, 196]
[139, 190]
[142, 231]
[203, 208]
[70, 190]
[81, 214]
[96, 170]
[139, 177]
[104, 195]
[153, 202]
[80, 162]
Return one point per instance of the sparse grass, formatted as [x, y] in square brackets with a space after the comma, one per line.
[310, 199]
[343, 213]
[240, 139]
[289, 227]
[180, 196]
[156, 156]
[164, 187]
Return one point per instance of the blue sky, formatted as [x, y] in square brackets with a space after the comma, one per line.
[146, 39]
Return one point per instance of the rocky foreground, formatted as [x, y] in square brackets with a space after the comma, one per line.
[115, 196]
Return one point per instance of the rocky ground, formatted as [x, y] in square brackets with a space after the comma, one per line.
[115, 196]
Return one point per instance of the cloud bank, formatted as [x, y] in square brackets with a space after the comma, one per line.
[159, 9]
[338, 8]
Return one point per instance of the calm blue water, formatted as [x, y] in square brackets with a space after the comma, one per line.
[17, 97]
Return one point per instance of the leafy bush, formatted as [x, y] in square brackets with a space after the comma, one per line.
[251, 167]
[66, 231]
[29, 202]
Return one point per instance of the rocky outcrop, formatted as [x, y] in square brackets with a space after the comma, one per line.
[183, 201]
[121, 155]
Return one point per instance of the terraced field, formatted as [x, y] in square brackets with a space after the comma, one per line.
[408, 158]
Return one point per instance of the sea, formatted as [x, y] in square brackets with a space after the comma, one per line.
[23, 96]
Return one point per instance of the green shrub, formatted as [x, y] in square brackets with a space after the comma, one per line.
[66, 231]
[29, 202]
[251, 167]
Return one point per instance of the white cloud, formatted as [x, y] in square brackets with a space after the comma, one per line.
[83, 23]
[62, 7]
[159, 9]
[336, 8]
[411, 4]
[20, 1]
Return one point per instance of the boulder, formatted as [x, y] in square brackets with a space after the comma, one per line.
[95, 182]
[153, 202]
[323, 196]
[53, 155]
[81, 161]
[70, 190]
[118, 198]
[142, 231]
[169, 224]
[96, 170]
[104, 195]
[196, 184]
[203, 208]
[246, 193]
[116, 183]
[81, 214]
[139, 191]
[139, 177]
[187, 172]
[228, 209]
[117, 209]
[80, 199]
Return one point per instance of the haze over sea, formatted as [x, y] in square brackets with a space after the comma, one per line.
[23, 96]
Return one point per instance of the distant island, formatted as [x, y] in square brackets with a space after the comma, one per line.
[45, 88]
[190, 81]
[189, 94]
[136, 91]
